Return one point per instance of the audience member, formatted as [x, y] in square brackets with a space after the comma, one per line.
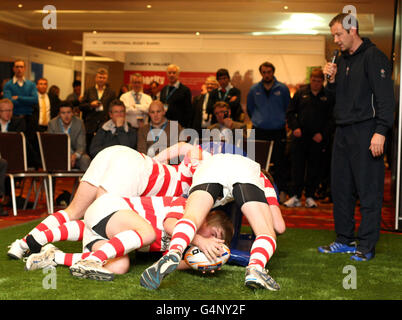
[159, 133]
[116, 131]
[24, 96]
[95, 103]
[123, 89]
[203, 110]
[226, 125]
[66, 122]
[267, 102]
[47, 104]
[228, 94]
[75, 96]
[309, 116]
[155, 90]
[3, 170]
[137, 102]
[177, 98]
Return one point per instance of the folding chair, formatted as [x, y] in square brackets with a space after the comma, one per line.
[55, 150]
[13, 149]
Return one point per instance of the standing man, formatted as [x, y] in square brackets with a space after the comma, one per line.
[309, 118]
[227, 93]
[267, 102]
[95, 104]
[24, 96]
[155, 90]
[364, 110]
[177, 98]
[137, 102]
[47, 106]
[67, 123]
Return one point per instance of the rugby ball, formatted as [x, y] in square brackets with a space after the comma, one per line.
[197, 260]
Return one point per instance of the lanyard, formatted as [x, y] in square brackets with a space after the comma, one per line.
[137, 97]
[155, 139]
[170, 93]
[224, 97]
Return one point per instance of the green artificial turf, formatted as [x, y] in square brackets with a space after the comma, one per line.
[302, 273]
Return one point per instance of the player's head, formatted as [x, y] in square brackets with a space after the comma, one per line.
[217, 224]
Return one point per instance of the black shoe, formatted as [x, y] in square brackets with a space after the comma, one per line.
[3, 213]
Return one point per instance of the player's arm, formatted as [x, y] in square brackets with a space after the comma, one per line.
[175, 151]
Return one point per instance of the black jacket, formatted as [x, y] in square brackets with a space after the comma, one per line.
[179, 104]
[364, 88]
[310, 113]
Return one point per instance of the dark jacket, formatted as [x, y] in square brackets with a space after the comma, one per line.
[124, 135]
[364, 88]
[235, 106]
[310, 113]
[179, 105]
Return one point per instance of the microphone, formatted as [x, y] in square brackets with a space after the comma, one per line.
[334, 55]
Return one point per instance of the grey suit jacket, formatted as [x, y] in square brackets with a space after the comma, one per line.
[77, 133]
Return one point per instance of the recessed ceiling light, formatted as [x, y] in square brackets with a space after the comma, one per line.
[286, 7]
[197, 33]
[149, 6]
[94, 32]
[49, 47]
[20, 5]
[67, 52]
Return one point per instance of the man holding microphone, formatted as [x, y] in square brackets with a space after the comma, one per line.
[364, 111]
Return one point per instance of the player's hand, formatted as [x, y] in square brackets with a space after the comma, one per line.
[330, 69]
[377, 145]
[297, 133]
[317, 137]
[212, 247]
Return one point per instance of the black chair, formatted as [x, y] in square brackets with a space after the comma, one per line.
[260, 151]
[55, 151]
[13, 149]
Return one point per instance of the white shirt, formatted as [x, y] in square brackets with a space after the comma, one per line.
[134, 110]
[20, 81]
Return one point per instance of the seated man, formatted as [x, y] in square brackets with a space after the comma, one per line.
[115, 226]
[159, 132]
[116, 131]
[66, 122]
[225, 124]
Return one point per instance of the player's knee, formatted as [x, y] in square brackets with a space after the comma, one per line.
[280, 228]
[147, 234]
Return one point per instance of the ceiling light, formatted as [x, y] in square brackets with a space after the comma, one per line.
[301, 23]
[94, 32]
[20, 5]
[286, 7]
[197, 33]
[149, 6]
[49, 48]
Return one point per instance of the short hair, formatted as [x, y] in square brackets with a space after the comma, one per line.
[7, 101]
[76, 83]
[137, 75]
[351, 22]
[154, 82]
[116, 102]
[158, 103]
[267, 64]
[211, 78]
[173, 66]
[19, 60]
[37, 81]
[318, 73]
[218, 218]
[221, 104]
[222, 73]
[65, 104]
[102, 71]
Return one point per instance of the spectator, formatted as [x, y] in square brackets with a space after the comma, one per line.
[177, 98]
[116, 131]
[66, 122]
[159, 133]
[47, 104]
[95, 104]
[267, 102]
[24, 96]
[75, 97]
[155, 90]
[361, 79]
[226, 125]
[309, 116]
[123, 89]
[136, 102]
[227, 93]
[203, 110]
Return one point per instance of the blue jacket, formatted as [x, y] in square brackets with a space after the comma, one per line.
[27, 96]
[268, 112]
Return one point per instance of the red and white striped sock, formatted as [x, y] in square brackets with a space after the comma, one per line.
[68, 259]
[183, 234]
[69, 231]
[262, 250]
[118, 246]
